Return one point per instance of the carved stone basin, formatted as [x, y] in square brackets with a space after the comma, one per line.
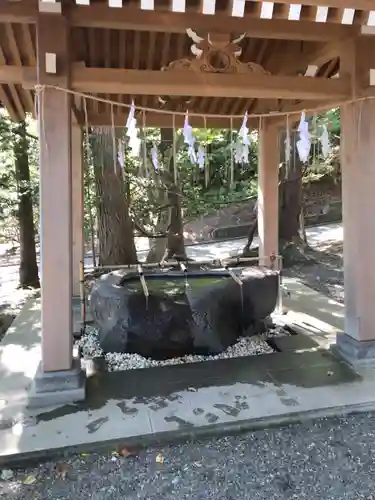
[200, 312]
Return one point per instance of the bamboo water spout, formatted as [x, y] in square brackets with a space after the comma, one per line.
[184, 269]
[143, 283]
[237, 280]
[233, 276]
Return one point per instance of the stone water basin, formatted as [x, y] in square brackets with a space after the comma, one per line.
[181, 313]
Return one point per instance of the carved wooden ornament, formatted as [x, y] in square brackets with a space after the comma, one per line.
[215, 53]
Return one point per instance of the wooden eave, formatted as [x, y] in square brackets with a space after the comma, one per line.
[104, 37]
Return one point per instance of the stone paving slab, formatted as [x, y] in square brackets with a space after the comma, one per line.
[234, 394]
[20, 352]
[294, 343]
[315, 306]
[147, 406]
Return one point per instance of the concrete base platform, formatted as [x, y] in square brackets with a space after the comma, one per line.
[56, 388]
[140, 407]
[353, 351]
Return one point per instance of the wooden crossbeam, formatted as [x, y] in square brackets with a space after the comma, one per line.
[294, 110]
[193, 84]
[336, 4]
[17, 12]
[189, 83]
[154, 119]
[100, 16]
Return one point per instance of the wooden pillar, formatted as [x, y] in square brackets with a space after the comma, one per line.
[358, 181]
[55, 196]
[268, 192]
[77, 206]
[357, 342]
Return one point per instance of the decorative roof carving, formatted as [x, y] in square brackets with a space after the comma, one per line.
[215, 53]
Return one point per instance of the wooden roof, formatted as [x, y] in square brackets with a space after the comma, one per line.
[284, 39]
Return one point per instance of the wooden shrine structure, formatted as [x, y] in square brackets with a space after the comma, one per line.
[217, 58]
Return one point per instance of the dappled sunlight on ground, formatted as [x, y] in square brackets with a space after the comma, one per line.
[327, 238]
[317, 236]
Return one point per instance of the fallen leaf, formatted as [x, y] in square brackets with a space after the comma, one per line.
[126, 452]
[29, 480]
[159, 459]
[61, 470]
[6, 474]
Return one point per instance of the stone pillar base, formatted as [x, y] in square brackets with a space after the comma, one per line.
[56, 388]
[354, 351]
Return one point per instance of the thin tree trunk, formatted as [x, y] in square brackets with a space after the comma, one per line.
[246, 252]
[158, 245]
[302, 226]
[290, 196]
[115, 227]
[175, 239]
[89, 194]
[28, 270]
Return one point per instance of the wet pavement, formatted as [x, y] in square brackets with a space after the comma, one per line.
[330, 459]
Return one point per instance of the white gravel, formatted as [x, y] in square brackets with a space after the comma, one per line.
[246, 346]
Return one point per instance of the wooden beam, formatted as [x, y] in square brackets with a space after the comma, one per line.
[294, 112]
[14, 74]
[193, 84]
[336, 4]
[299, 61]
[189, 83]
[323, 54]
[18, 12]
[163, 120]
[99, 15]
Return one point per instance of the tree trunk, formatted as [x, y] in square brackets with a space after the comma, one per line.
[159, 245]
[290, 205]
[290, 198]
[175, 239]
[28, 270]
[246, 252]
[115, 227]
[291, 245]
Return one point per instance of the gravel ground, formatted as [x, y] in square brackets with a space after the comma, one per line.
[330, 459]
[246, 346]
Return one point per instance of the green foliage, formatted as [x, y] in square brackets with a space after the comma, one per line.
[8, 182]
[200, 193]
